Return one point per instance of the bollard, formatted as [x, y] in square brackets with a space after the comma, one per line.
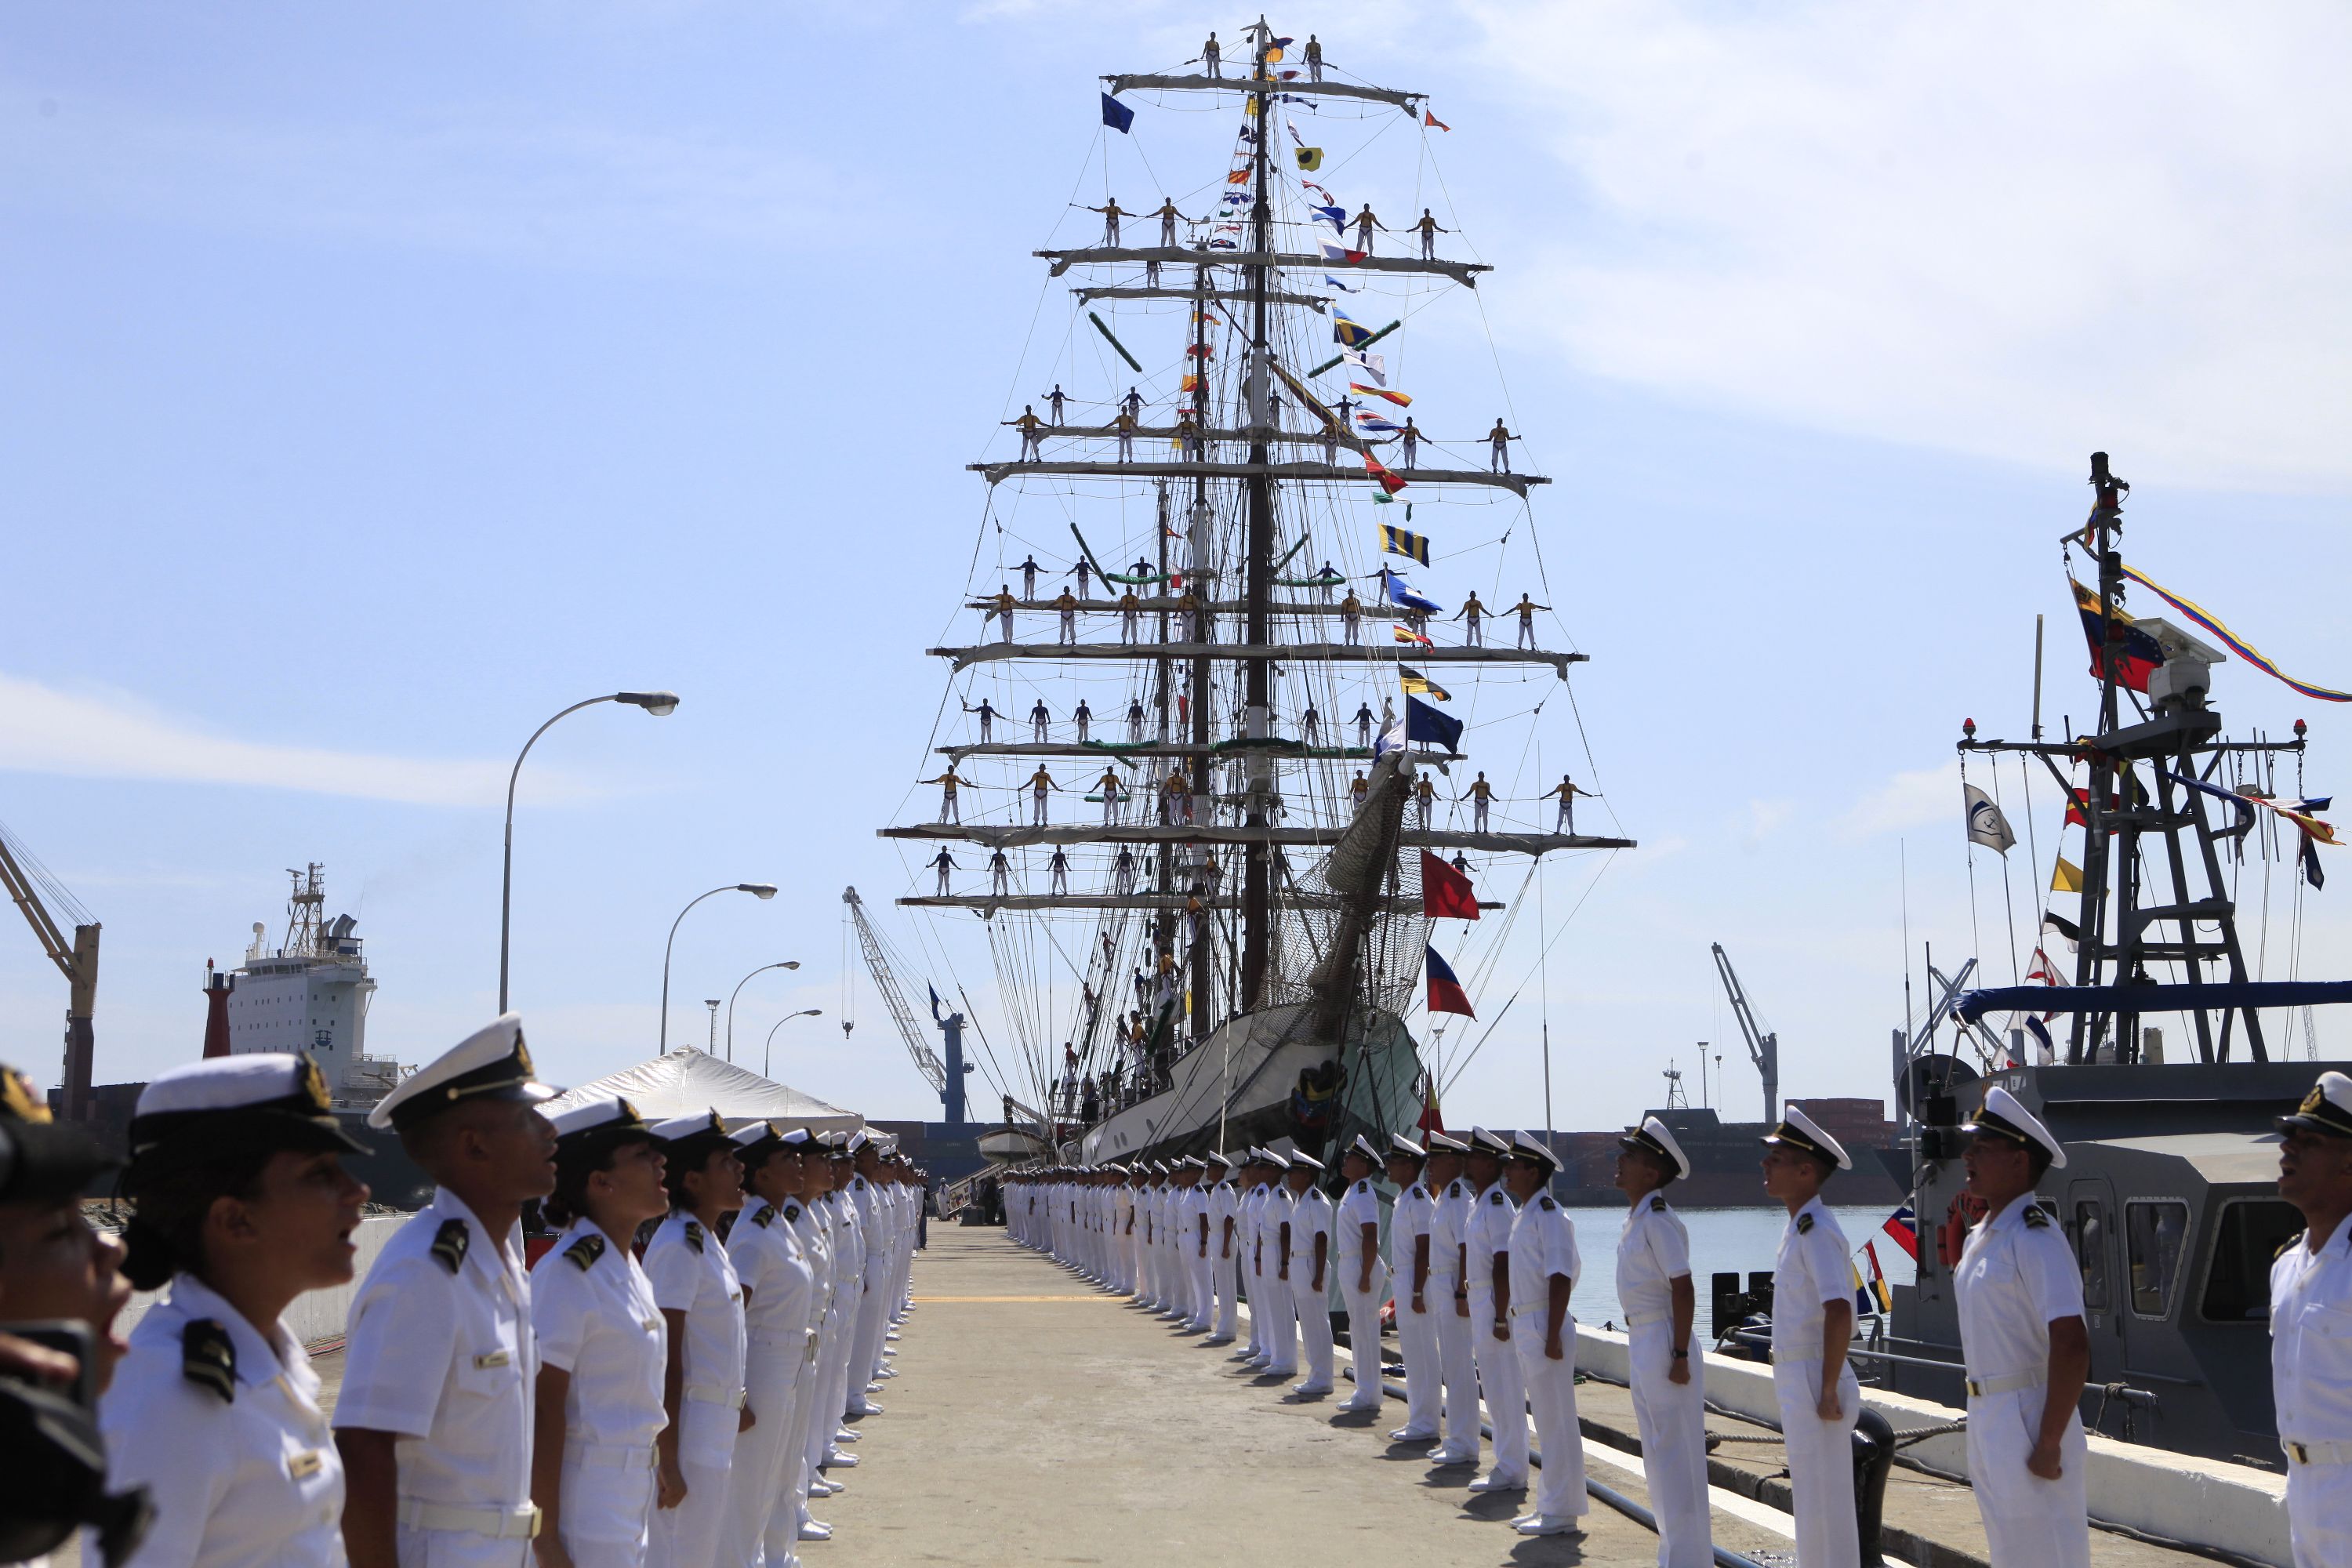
[1873, 1456]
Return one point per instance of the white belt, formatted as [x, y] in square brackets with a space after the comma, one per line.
[2318, 1453]
[732, 1400]
[1523, 1309]
[610, 1456]
[1644, 1320]
[2008, 1383]
[499, 1523]
[1797, 1352]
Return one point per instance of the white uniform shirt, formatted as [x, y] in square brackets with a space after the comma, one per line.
[1653, 1252]
[1311, 1216]
[816, 1245]
[1252, 1209]
[872, 1224]
[2311, 1340]
[1188, 1228]
[692, 1274]
[598, 1321]
[443, 1355]
[1488, 1232]
[848, 1251]
[1359, 1209]
[1543, 1243]
[1812, 1271]
[1224, 1203]
[1449, 1234]
[775, 1272]
[253, 1481]
[2016, 1277]
[1416, 1214]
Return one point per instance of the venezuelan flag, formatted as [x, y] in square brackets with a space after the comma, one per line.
[1445, 992]
[2136, 653]
[2232, 640]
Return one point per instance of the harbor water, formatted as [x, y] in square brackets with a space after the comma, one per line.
[1722, 1240]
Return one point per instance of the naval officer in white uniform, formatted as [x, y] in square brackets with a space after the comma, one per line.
[1540, 1269]
[1363, 1277]
[701, 1300]
[1307, 1267]
[2022, 1332]
[1448, 1297]
[1502, 1382]
[1813, 1322]
[1654, 1285]
[240, 1203]
[2311, 1326]
[1409, 1264]
[434, 1418]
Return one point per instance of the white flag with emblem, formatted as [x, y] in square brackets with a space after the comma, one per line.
[1987, 825]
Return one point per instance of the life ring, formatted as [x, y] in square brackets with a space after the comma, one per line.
[1951, 1236]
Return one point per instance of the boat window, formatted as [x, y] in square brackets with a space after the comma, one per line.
[2091, 1254]
[2237, 1280]
[2154, 1230]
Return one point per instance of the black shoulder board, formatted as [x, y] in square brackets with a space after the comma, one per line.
[208, 1359]
[1365, 1185]
[583, 1253]
[1804, 1225]
[694, 1235]
[765, 1217]
[2036, 1217]
[1548, 1205]
[449, 1243]
[1495, 1197]
[792, 1211]
[2295, 1240]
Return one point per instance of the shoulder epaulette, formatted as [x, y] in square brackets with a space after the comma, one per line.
[2292, 1241]
[583, 1253]
[1365, 1185]
[1804, 1225]
[2036, 1217]
[694, 1235]
[1495, 1197]
[792, 1211]
[766, 1216]
[1548, 1205]
[208, 1358]
[449, 1243]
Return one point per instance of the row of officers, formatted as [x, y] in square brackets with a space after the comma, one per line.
[1482, 1263]
[668, 1385]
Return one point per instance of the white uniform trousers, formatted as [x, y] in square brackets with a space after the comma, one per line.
[1673, 1421]
[1425, 1378]
[687, 1536]
[1364, 1335]
[1315, 1326]
[1551, 1395]
[431, 1548]
[763, 1455]
[608, 1504]
[1226, 1274]
[1198, 1272]
[2027, 1520]
[2318, 1514]
[832, 1362]
[1504, 1384]
[1256, 1285]
[1281, 1324]
[1460, 1369]
[1820, 1462]
[865, 1348]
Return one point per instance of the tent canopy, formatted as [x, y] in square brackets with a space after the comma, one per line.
[689, 1081]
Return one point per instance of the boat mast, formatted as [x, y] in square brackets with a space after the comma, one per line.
[1258, 581]
[2106, 517]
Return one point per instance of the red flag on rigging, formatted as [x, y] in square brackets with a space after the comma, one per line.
[1445, 894]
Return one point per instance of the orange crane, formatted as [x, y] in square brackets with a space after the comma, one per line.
[26, 878]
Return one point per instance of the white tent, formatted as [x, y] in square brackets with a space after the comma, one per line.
[687, 1081]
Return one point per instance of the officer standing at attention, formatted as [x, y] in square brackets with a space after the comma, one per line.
[779, 1291]
[701, 1300]
[1540, 1269]
[2022, 1332]
[1449, 1299]
[1253, 1174]
[1364, 1278]
[1653, 1284]
[1224, 1254]
[1409, 1264]
[2311, 1285]
[1307, 1263]
[1199, 1257]
[434, 1421]
[240, 1203]
[1812, 1321]
[1487, 1237]
[1273, 1271]
[602, 1345]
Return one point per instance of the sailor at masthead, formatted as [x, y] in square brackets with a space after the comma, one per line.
[1813, 1322]
[435, 1413]
[2020, 1293]
[1654, 1285]
[2311, 1325]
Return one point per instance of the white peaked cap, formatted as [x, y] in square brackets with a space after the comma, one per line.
[2003, 1115]
[1799, 1131]
[1654, 1136]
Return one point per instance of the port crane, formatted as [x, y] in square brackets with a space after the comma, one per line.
[76, 961]
[1763, 1049]
[946, 1079]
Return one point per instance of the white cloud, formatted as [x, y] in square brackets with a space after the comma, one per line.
[109, 734]
[2016, 230]
[1916, 799]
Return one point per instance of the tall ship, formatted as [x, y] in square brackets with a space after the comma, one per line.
[1237, 750]
[2156, 1021]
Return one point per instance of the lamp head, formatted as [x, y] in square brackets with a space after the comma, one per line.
[790, 964]
[660, 704]
[757, 890]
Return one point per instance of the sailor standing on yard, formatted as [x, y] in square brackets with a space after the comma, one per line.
[1526, 610]
[701, 1298]
[1480, 795]
[1307, 1262]
[1488, 1235]
[1653, 1284]
[1211, 57]
[1540, 1269]
[1812, 1321]
[1039, 783]
[2311, 1286]
[1032, 430]
[1426, 226]
[948, 783]
[1112, 212]
[1567, 792]
[434, 1418]
[1449, 1298]
[1498, 444]
[1409, 1265]
[2022, 1332]
[1040, 717]
[1363, 1279]
[1067, 604]
[943, 863]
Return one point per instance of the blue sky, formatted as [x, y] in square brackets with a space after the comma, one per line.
[371, 388]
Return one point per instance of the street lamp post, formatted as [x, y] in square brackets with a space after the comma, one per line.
[658, 704]
[787, 963]
[804, 1013]
[757, 890]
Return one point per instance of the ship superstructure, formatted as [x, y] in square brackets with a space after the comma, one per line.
[1197, 774]
[311, 993]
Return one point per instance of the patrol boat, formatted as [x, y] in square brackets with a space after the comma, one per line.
[2168, 1193]
[1206, 932]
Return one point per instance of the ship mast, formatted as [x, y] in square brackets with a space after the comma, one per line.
[1258, 583]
